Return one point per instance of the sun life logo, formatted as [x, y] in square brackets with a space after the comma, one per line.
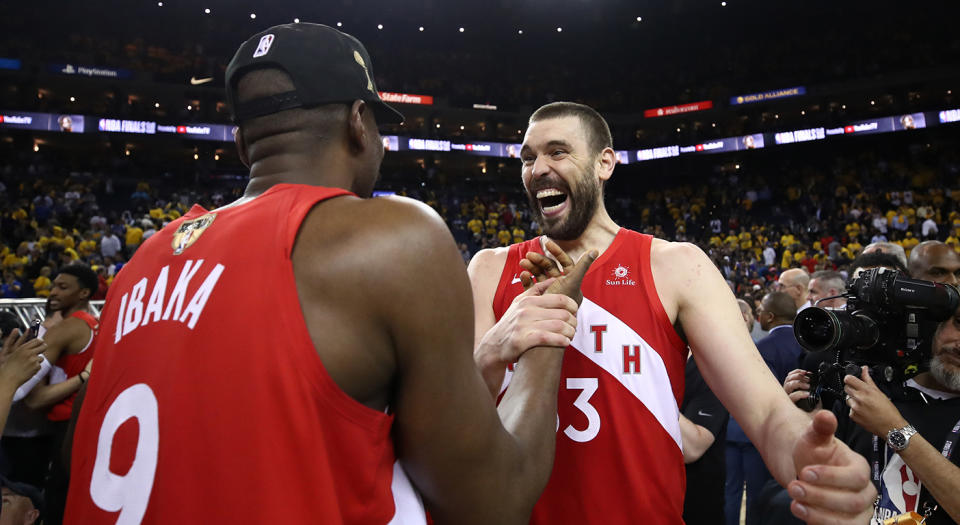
[621, 276]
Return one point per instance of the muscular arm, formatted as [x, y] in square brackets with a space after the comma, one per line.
[46, 395]
[939, 475]
[71, 334]
[485, 266]
[828, 482]
[468, 465]
[696, 440]
[728, 359]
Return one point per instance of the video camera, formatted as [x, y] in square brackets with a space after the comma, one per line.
[888, 324]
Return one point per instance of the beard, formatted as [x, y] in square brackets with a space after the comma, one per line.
[945, 374]
[583, 197]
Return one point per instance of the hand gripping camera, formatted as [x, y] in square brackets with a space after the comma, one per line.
[888, 324]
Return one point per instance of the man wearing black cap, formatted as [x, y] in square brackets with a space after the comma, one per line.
[21, 503]
[302, 419]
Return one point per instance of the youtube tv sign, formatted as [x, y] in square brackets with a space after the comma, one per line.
[676, 110]
[404, 98]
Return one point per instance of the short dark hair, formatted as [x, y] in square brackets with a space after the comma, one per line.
[598, 131]
[781, 305]
[85, 276]
[8, 323]
[876, 259]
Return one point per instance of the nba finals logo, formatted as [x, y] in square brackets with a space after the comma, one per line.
[621, 276]
[189, 232]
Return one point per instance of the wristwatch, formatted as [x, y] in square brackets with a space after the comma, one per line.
[899, 438]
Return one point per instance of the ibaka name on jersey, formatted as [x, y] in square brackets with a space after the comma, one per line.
[137, 309]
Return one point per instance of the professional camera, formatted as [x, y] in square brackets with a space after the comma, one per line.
[888, 324]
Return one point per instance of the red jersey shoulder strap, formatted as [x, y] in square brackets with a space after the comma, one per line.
[90, 320]
[298, 201]
[509, 287]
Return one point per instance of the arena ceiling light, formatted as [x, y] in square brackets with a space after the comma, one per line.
[559, 30]
[421, 29]
[73, 99]
[723, 4]
[379, 26]
[253, 16]
[296, 20]
[461, 30]
[207, 10]
[520, 32]
[639, 19]
[339, 24]
[159, 4]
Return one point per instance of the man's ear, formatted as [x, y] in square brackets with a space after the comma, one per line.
[606, 163]
[241, 146]
[356, 129]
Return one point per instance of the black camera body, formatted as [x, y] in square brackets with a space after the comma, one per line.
[887, 325]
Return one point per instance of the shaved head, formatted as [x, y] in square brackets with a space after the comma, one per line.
[796, 282]
[934, 261]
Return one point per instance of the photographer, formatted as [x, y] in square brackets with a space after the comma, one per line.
[916, 469]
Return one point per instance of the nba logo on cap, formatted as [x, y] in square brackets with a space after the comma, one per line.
[264, 46]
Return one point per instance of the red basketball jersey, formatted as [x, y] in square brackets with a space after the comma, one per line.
[69, 365]
[619, 457]
[208, 402]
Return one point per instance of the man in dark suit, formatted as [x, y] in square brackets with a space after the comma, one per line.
[779, 348]
[781, 351]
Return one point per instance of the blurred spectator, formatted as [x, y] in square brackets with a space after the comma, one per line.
[935, 261]
[110, 245]
[21, 503]
[827, 283]
[796, 282]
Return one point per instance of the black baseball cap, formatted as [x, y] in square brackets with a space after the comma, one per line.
[327, 66]
[24, 489]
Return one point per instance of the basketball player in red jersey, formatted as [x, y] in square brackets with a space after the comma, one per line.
[619, 456]
[70, 343]
[269, 361]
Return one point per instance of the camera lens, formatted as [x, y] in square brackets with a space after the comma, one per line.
[817, 329]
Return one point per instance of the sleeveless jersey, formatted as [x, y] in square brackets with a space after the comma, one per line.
[619, 457]
[209, 403]
[69, 365]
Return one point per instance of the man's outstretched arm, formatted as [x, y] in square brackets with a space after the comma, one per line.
[791, 444]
